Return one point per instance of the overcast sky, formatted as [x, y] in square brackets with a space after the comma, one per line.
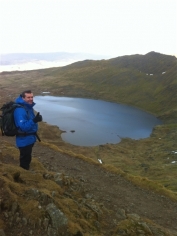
[103, 27]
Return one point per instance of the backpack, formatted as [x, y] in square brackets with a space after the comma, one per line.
[8, 127]
[7, 123]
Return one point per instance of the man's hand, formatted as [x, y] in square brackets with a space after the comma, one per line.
[37, 118]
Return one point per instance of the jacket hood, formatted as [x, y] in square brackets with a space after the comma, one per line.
[20, 100]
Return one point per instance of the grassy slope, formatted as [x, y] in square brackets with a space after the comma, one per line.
[124, 80]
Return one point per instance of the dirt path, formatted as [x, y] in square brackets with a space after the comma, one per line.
[112, 190]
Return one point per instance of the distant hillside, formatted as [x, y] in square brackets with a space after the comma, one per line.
[33, 61]
[146, 81]
[17, 58]
[151, 63]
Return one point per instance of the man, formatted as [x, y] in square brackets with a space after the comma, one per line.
[26, 121]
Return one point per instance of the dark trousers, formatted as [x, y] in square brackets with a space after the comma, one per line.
[25, 156]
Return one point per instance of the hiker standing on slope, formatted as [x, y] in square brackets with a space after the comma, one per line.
[26, 121]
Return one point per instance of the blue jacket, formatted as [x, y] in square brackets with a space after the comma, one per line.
[24, 121]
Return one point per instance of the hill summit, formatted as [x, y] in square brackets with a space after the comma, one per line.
[151, 62]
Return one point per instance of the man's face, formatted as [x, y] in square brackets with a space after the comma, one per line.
[28, 98]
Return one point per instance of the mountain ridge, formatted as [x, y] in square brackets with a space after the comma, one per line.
[151, 59]
[146, 81]
[133, 191]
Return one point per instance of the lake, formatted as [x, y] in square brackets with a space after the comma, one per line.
[89, 122]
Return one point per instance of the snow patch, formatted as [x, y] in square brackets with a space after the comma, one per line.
[175, 152]
[100, 161]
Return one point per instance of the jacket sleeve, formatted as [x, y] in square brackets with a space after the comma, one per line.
[24, 121]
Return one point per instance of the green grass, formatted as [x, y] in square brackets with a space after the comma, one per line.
[121, 80]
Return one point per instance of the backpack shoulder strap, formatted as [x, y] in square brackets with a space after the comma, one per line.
[17, 105]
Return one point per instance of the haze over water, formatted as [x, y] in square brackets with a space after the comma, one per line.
[94, 122]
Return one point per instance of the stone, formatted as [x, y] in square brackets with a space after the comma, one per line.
[133, 217]
[121, 214]
[18, 219]
[47, 176]
[34, 192]
[14, 207]
[145, 227]
[57, 217]
[6, 214]
[58, 179]
[46, 223]
[51, 232]
[53, 193]
[24, 221]
[2, 232]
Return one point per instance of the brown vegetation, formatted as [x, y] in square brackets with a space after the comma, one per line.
[134, 191]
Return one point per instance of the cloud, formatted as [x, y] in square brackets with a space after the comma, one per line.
[111, 27]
